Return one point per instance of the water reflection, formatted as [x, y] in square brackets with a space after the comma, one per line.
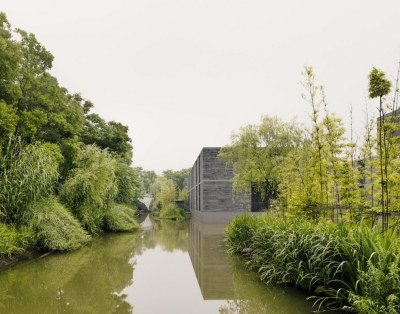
[149, 271]
[167, 234]
[89, 280]
[212, 270]
[224, 277]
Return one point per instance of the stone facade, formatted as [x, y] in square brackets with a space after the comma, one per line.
[209, 185]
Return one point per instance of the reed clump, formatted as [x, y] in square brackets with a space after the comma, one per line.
[121, 218]
[54, 227]
[353, 267]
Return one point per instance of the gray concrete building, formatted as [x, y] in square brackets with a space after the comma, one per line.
[396, 115]
[210, 189]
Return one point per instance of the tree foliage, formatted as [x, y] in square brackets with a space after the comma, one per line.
[312, 171]
[179, 177]
[53, 149]
[128, 184]
[256, 152]
[91, 188]
[112, 135]
[388, 150]
[147, 178]
[167, 194]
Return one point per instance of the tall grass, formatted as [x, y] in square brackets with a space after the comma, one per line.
[27, 173]
[121, 218]
[54, 227]
[343, 263]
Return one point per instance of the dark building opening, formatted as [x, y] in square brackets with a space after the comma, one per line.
[258, 204]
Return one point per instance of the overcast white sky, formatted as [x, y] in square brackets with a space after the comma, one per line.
[184, 74]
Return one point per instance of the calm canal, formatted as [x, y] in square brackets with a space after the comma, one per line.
[169, 267]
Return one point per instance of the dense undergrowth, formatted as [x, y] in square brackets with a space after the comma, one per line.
[171, 211]
[33, 216]
[165, 194]
[13, 239]
[352, 267]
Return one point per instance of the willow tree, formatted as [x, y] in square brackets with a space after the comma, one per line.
[91, 188]
[257, 151]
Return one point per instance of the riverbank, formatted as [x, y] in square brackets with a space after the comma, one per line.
[18, 257]
[348, 267]
[183, 262]
[18, 246]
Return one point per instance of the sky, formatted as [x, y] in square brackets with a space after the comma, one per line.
[185, 74]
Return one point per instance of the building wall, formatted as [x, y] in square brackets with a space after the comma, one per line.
[209, 185]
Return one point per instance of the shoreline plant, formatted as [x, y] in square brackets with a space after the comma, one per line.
[351, 267]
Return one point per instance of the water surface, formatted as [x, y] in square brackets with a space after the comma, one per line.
[169, 267]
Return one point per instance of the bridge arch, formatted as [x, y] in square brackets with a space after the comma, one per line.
[142, 206]
[145, 202]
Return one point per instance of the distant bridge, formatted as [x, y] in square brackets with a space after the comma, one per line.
[146, 200]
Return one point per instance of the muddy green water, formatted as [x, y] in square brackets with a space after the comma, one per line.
[170, 267]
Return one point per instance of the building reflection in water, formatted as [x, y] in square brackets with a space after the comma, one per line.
[213, 271]
[224, 277]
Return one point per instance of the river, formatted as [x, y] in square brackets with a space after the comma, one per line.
[168, 267]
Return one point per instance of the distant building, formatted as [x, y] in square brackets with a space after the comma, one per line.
[396, 115]
[210, 188]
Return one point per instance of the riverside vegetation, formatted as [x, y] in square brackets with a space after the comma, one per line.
[333, 225]
[167, 189]
[65, 173]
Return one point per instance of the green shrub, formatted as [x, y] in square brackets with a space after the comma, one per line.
[54, 226]
[121, 218]
[91, 188]
[382, 290]
[239, 232]
[353, 265]
[155, 205]
[379, 280]
[129, 188]
[171, 211]
[13, 240]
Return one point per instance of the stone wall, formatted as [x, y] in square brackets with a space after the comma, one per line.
[209, 185]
